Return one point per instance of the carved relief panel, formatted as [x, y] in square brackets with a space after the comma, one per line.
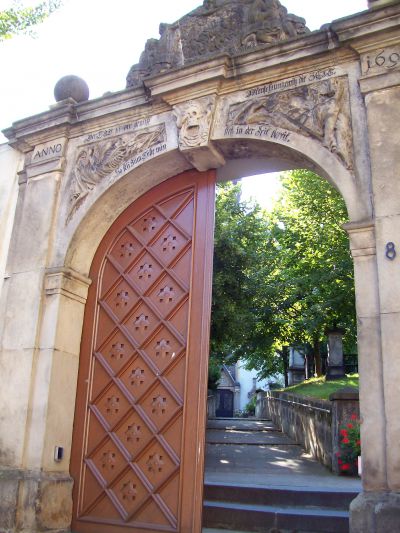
[193, 120]
[319, 110]
[108, 154]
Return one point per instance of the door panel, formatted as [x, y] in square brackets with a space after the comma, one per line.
[224, 403]
[137, 455]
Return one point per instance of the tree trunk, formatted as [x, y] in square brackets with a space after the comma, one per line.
[285, 357]
[317, 357]
[309, 365]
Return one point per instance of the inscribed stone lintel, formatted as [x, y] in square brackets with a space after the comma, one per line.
[46, 157]
[381, 61]
[49, 150]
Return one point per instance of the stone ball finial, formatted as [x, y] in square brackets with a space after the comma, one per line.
[71, 87]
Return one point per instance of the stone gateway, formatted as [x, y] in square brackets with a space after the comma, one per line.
[107, 222]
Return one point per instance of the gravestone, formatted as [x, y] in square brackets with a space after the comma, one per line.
[296, 371]
[335, 361]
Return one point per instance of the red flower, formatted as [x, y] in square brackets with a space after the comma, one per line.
[345, 466]
[345, 440]
[358, 442]
[343, 432]
[354, 417]
[350, 426]
[340, 461]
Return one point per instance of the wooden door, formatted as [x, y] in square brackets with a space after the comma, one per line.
[138, 441]
[224, 403]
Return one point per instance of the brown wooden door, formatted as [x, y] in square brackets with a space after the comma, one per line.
[138, 442]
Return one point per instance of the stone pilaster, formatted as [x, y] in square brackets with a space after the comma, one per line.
[383, 110]
[378, 510]
[39, 354]
[372, 397]
[38, 495]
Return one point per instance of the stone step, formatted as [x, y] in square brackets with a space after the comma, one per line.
[280, 496]
[241, 424]
[262, 459]
[220, 436]
[213, 530]
[262, 518]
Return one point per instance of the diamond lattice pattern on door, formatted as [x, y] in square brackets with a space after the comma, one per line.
[132, 458]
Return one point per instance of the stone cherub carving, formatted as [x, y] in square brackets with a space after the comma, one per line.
[320, 110]
[212, 29]
[193, 120]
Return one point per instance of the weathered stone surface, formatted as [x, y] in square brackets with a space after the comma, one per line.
[34, 501]
[55, 504]
[10, 160]
[380, 3]
[375, 512]
[8, 500]
[212, 29]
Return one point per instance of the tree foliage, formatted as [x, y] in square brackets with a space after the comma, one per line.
[280, 278]
[308, 277]
[18, 19]
[241, 236]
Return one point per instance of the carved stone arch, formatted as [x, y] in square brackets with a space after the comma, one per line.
[228, 71]
[246, 156]
[242, 156]
[83, 234]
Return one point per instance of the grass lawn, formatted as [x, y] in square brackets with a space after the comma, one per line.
[319, 388]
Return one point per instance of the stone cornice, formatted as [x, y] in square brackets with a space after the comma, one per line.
[221, 74]
[370, 29]
[340, 42]
[66, 282]
[362, 238]
[66, 118]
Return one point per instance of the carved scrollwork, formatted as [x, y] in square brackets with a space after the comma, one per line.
[193, 120]
[97, 161]
[320, 110]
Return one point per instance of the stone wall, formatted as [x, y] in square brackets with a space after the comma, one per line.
[312, 423]
[10, 161]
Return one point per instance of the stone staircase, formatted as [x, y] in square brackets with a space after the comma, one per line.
[257, 479]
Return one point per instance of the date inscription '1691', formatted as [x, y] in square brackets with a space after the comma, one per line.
[383, 60]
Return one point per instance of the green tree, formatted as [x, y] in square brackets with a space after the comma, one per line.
[241, 236]
[280, 278]
[308, 276]
[18, 19]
